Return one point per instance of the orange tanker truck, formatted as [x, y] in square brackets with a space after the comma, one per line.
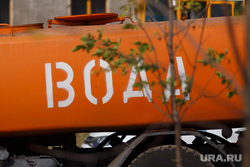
[48, 94]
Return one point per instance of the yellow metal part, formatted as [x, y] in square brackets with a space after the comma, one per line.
[178, 12]
[208, 5]
[88, 4]
[142, 10]
[232, 3]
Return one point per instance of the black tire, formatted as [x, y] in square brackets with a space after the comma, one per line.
[164, 156]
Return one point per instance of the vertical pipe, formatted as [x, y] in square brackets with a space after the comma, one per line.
[10, 13]
[88, 6]
[142, 12]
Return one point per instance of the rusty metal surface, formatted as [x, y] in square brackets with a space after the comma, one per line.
[20, 28]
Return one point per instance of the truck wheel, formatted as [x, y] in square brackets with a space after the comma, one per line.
[164, 156]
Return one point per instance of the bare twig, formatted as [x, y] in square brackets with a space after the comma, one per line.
[156, 22]
[197, 98]
[190, 84]
[195, 19]
[157, 62]
[180, 43]
[235, 48]
[223, 88]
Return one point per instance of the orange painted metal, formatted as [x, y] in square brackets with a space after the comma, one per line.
[9, 27]
[86, 19]
[66, 23]
[115, 19]
[45, 88]
[13, 29]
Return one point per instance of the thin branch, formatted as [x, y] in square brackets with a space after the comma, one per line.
[161, 7]
[158, 108]
[180, 43]
[184, 36]
[151, 43]
[171, 54]
[201, 94]
[235, 48]
[156, 22]
[190, 84]
[216, 94]
[176, 119]
[195, 19]
[157, 61]
[186, 56]
[223, 88]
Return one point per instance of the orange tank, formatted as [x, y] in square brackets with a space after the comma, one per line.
[45, 88]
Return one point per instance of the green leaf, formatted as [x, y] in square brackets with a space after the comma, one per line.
[176, 47]
[140, 84]
[100, 33]
[219, 74]
[230, 94]
[178, 100]
[221, 56]
[78, 48]
[153, 84]
[130, 26]
[126, 9]
[84, 38]
[226, 51]
[137, 43]
[123, 7]
[199, 61]
[223, 81]
[124, 72]
[229, 83]
[178, 7]
[204, 62]
[143, 48]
